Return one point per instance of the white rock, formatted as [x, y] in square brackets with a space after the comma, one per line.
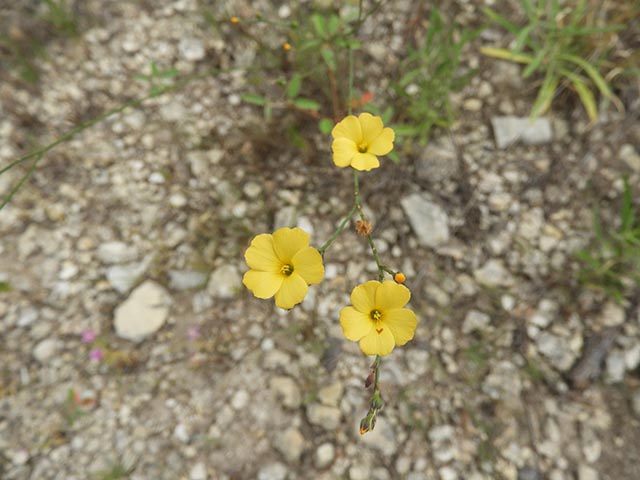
[123, 277]
[198, 472]
[448, 473]
[630, 156]
[475, 320]
[225, 282]
[186, 279]
[324, 416]
[611, 315]
[181, 433]
[143, 313]
[359, 472]
[27, 317]
[493, 274]
[324, 455]
[45, 349]
[557, 349]
[291, 444]
[585, 472]
[442, 442]
[191, 49]
[632, 357]
[116, 252]
[177, 200]
[428, 220]
[331, 394]
[287, 390]
[615, 366]
[381, 438]
[240, 400]
[509, 130]
[273, 471]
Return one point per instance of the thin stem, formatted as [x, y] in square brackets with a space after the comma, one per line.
[39, 153]
[372, 245]
[338, 231]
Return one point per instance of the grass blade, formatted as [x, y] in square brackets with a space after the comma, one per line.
[505, 54]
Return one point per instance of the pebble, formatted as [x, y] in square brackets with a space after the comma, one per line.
[225, 282]
[331, 394]
[181, 433]
[198, 472]
[252, 190]
[611, 315]
[191, 49]
[428, 220]
[273, 471]
[439, 162]
[493, 274]
[381, 438]
[177, 200]
[442, 439]
[475, 320]
[509, 130]
[585, 472]
[290, 444]
[116, 252]
[287, 391]
[143, 313]
[615, 366]
[45, 350]
[630, 156]
[324, 455]
[123, 277]
[556, 349]
[324, 416]
[186, 279]
[27, 317]
[359, 472]
[240, 400]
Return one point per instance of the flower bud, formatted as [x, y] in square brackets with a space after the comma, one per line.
[399, 277]
[363, 228]
[369, 380]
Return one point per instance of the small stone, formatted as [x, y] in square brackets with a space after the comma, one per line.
[291, 444]
[428, 220]
[632, 357]
[156, 178]
[287, 390]
[240, 400]
[555, 348]
[472, 104]
[198, 472]
[507, 302]
[382, 438]
[493, 274]
[585, 472]
[123, 277]
[509, 130]
[324, 416]
[181, 433]
[143, 313]
[273, 471]
[116, 252]
[475, 320]
[45, 349]
[630, 156]
[359, 472]
[324, 455]
[225, 282]
[615, 366]
[611, 315]
[68, 271]
[331, 394]
[191, 49]
[27, 317]
[442, 439]
[252, 190]
[18, 457]
[448, 473]
[186, 279]
[177, 200]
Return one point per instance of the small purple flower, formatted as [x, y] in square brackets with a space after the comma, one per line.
[96, 354]
[193, 332]
[89, 336]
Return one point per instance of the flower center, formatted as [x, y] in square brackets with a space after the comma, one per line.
[286, 269]
[363, 147]
[376, 315]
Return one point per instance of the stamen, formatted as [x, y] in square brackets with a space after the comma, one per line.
[375, 315]
[286, 269]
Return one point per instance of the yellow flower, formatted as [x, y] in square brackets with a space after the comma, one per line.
[378, 319]
[357, 141]
[282, 264]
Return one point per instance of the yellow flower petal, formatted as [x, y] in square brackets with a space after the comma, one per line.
[391, 295]
[349, 128]
[383, 144]
[364, 162]
[261, 256]
[262, 284]
[292, 291]
[402, 323]
[308, 264]
[378, 342]
[371, 127]
[355, 324]
[289, 241]
[363, 297]
[343, 150]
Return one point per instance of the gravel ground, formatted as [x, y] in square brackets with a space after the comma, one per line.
[516, 371]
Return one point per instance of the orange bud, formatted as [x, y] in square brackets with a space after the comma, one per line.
[363, 430]
[399, 277]
[234, 20]
[363, 228]
[286, 46]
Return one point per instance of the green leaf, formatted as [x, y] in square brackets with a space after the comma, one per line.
[319, 25]
[329, 57]
[627, 213]
[306, 104]
[545, 94]
[591, 71]
[325, 125]
[5, 287]
[333, 24]
[253, 99]
[537, 60]
[500, 20]
[586, 97]
[294, 85]
[505, 54]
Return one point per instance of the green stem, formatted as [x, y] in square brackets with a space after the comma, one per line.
[372, 245]
[39, 153]
[338, 231]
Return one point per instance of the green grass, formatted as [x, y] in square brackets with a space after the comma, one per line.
[611, 263]
[428, 75]
[565, 45]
